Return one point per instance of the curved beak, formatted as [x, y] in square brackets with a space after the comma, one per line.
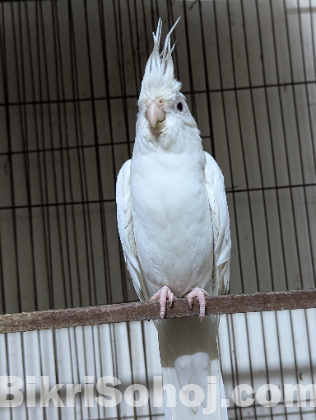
[155, 114]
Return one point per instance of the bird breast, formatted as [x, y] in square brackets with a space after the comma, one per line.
[172, 221]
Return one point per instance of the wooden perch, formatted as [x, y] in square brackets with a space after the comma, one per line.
[138, 311]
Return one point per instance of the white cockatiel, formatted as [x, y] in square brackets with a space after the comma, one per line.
[173, 223]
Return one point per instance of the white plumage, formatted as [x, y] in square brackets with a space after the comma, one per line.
[173, 223]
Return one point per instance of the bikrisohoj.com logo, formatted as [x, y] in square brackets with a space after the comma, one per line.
[14, 392]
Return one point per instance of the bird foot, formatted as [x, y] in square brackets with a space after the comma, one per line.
[163, 295]
[200, 294]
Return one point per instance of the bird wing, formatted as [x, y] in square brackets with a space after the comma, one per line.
[215, 187]
[125, 228]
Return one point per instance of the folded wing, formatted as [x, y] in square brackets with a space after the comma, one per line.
[215, 187]
[126, 232]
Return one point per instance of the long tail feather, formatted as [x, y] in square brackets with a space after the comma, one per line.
[189, 355]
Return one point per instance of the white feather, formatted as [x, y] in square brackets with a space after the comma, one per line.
[174, 227]
[159, 77]
[126, 232]
[215, 187]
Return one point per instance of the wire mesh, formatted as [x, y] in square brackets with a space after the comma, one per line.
[70, 76]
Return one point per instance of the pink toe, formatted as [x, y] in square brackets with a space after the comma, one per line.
[190, 301]
[171, 298]
[201, 298]
[162, 295]
[154, 297]
[200, 294]
[163, 299]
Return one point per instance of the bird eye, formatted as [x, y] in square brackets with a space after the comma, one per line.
[180, 106]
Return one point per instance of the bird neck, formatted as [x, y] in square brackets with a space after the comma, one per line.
[174, 140]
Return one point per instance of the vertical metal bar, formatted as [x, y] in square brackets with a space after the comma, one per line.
[60, 87]
[207, 86]
[47, 242]
[46, 218]
[192, 92]
[309, 230]
[51, 135]
[237, 409]
[32, 75]
[314, 154]
[12, 190]
[302, 174]
[262, 184]
[80, 155]
[58, 58]
[4, 306]
[98, 162]
[92, 289]
[119, 37]
[276, 195]
[109, 112]
[246, 180]
[9, 139]
[22, 99]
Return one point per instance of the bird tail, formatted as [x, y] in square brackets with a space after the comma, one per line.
[192, 380]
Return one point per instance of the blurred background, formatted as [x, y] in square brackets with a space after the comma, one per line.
[70, 75]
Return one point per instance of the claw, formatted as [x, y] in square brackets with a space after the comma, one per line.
[200, 294]
[162, 295]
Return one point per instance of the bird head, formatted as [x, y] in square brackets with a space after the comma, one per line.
[163, 110]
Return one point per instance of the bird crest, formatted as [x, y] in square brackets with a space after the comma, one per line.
[159, 80]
